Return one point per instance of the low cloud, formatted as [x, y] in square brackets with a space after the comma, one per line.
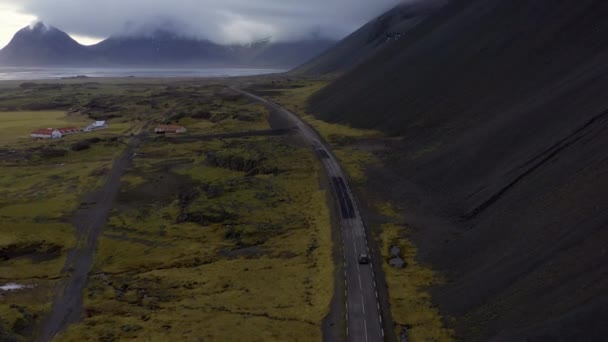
[223, 21]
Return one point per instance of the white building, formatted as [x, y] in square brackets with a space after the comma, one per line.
[97, 125]
[46, 133]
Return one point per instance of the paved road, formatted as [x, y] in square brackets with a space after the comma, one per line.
[363, 314]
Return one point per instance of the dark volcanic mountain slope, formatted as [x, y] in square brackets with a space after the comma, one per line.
[161, 48]
[374, 36]
[503, 162]
[42, 45]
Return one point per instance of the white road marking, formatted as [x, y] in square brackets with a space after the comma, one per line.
[363, 303]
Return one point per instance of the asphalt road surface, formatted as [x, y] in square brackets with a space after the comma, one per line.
[363, 314]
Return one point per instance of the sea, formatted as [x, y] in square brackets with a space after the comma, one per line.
[20, 73]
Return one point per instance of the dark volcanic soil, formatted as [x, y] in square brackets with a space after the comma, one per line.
[502, 169]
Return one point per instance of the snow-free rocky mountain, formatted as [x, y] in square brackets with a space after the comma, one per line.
[43, 45]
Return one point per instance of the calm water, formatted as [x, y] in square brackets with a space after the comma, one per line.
[11, 73]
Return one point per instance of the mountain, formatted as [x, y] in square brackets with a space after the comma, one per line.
[374, 36]
[48, 46]
[500, 118]
[160, 48]
[42, 45]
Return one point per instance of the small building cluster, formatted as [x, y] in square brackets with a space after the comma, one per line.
[46, 133]
[167, 129]
[95, 126]
[58, 133]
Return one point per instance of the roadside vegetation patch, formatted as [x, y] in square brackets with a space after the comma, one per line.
[412, 308]
[348, 144]
[216, 110]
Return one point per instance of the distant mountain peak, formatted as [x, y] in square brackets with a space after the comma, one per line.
[40, 31]
[39, 27]
[40, 44]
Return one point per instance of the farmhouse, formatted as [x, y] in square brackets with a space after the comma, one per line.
[97, 125]
[162, 129]
[46, 133]
[68, 130]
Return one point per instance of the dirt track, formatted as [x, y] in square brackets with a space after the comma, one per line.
[89, 222]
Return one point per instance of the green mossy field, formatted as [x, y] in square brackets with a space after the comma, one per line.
[208, 239]
[199, 251]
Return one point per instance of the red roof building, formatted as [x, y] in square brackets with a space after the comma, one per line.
[46, 133]
[161, 129]
[68, 130]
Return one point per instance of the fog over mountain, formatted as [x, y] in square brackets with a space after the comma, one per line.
[221, 21]
[42, 45]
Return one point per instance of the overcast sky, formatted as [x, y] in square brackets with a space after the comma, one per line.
[222, 21]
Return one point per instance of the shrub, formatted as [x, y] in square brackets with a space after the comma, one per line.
[80, 146]
[48, 153]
